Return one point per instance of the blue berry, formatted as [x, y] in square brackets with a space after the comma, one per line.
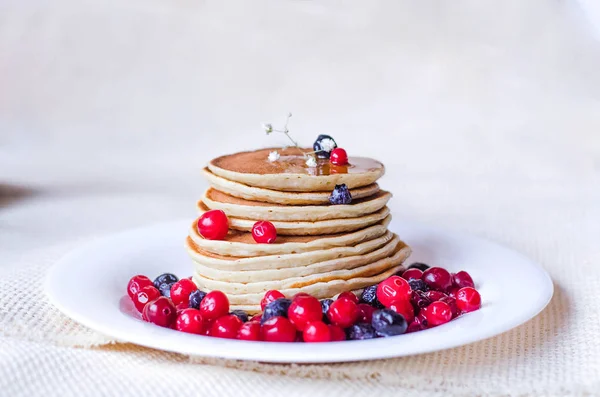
[195, 298]
[418, 265]
[276, 308]
[369, 296]
[242, 315]
[324, 149]
[164, 282]
[387, 322]
[340, 195]
[418, 285]
[325, 303]
[360, 331]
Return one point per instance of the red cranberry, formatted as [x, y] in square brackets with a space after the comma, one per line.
[405, 308]
[412, 273]
[190, 321]
[299, 294]
[226, 327]
[270, 296]
[463, 279]
[437, 278]
[213, 225]
[316, 331]
[338, 156]
[136, 283]
[303, 310]
[180, 307]
[264, 232]
[422, 320]
[415, 326]
[365, 313]
[348, 295]
[343, 312]
[392, 289]
[214, 305]
[437, 313]
[453, 306]
[452, 291]
[435, 295]
[249, 331]
[468, 299]
[337, 333]
[278, 329]
[181, 290]
[145, 295]
[160, 312]
[419, 300]
[256, 317]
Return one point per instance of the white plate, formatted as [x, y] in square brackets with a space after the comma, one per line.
[89, 285]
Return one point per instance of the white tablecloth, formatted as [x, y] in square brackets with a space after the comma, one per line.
[487, 115]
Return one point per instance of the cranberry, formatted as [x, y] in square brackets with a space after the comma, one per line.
[437, 278]
[419, 300]
[145, 295]
[180, 307]
[337, 333]
[348, 295]
[365, 313]
[299, 294]
[437, 313]
[453, 306]
[343, 312]
[435, 295]
[278, 329]
[303, 310]
[415, 326]
[264, 232]
[422, 320]
[405, 308]
[136, 283]
[316, 331]
[256, 317]
[214, 305]
[213, 225]
[452, 291]
[468, 299]
[226, 327]
[392, 289]
[190, 321]
[270, 296]
[463, 279]
[160, 312]
[338, 156]
[412, 273]
[249, 331]
[181, 290]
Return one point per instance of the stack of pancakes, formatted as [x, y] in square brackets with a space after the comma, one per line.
[321, 248]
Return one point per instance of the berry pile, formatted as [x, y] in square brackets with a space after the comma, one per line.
[421, 297]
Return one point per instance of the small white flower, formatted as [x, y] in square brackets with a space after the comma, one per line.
[273, 156]
[311, 161]
[268, 127]
[328, 144]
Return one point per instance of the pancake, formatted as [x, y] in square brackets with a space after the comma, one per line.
[242, 244]
[310, 228]
[240, 208]
[367, 270]
[253, 276]
[278, 197]
[290, 172]
[231, 263]
[320, 290]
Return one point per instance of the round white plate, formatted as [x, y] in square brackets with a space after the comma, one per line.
[89, 285]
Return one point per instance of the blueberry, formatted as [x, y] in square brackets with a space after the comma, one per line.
[340, 195]
[278, 307]
[418, 285]
[369, 296]
[360, 331]
[164, 282]
[323, 146]
[325, 303]
[418, 265]
[242, 315]
[387, 322]
[195, 298]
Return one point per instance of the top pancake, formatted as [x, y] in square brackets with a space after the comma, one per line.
[290, 172]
